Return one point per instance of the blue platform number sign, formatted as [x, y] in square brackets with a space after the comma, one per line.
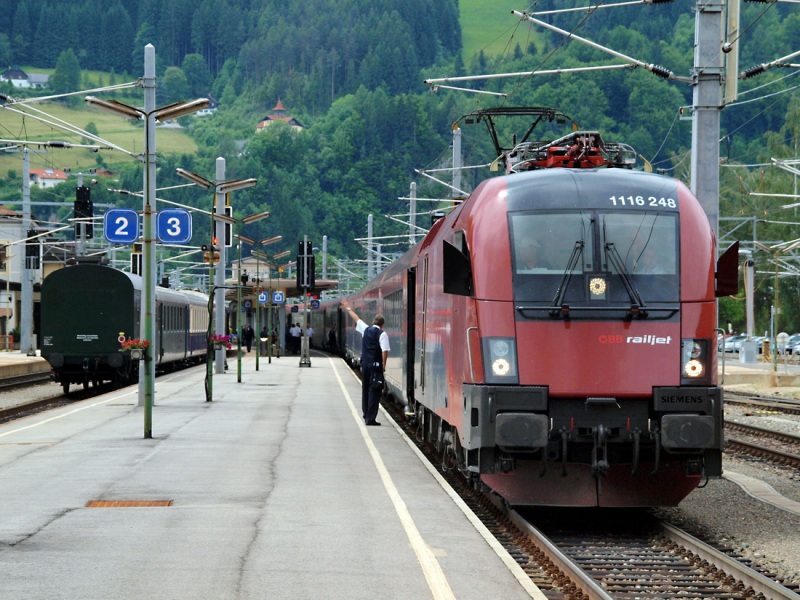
[262, 298]
[278, 298]
[121, 225]
[174, 226]
[315, 304]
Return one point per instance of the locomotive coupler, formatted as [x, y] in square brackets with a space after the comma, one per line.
[600, 451]
[506, 464]
[658, 451]
[636, 433]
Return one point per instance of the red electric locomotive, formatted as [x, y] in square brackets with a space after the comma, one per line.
[555, 333]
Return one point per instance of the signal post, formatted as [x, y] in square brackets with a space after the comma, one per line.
[305, 282]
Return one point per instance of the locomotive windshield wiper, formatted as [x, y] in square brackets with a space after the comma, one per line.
[561, 291]
[637, 304]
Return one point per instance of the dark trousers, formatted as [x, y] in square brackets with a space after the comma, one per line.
[370, 398]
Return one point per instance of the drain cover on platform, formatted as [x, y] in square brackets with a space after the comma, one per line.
[126, 503]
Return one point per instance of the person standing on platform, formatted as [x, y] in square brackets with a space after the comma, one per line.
[294, 333]
[247, 336]
[374, 354]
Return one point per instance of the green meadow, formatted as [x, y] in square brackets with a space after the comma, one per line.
[121, 132]
[488, 25]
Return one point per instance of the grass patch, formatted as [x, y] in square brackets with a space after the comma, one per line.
[488, 26]
[121, 132]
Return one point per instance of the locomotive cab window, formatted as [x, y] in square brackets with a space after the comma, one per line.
[546, 243]
[586, 259]
[644, 248]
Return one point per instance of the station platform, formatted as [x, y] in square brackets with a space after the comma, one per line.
[17, 364]
[760, 374]
[275, 489]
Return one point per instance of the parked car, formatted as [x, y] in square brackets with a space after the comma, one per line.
[793, 344]
[733, 343]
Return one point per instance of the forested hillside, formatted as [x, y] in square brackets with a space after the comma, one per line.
[352, 71]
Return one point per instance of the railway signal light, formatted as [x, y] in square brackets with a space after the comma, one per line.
[136, 258]
[228, 226]
[83, 209]
[305, 267]
[210, 253]
[32, 250]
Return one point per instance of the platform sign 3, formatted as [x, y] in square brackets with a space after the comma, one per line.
[121, 225]
[174, 226]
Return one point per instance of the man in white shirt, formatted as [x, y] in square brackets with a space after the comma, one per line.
[294, 334]
[374, 354]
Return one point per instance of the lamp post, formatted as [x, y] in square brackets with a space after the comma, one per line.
[150, 114]
[219, 218]
[777, 250]
[269, 260]
[259, 290]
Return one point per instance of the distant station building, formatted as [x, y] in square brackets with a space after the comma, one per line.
[278, 114]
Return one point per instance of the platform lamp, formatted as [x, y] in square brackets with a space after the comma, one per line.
[241, 280]
[219, 218]
[269, 259]
[150, 114]
[258, 291]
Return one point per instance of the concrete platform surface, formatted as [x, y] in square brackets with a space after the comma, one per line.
[17, 364]
[760, 374]
[276, 489]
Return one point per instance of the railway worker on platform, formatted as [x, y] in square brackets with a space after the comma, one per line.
[374, 354]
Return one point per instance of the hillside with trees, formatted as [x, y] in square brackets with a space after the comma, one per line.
[352, 71]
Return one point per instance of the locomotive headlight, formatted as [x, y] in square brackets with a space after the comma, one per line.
[500, 360]
[500, 367]
[693, 368]
[694, 361]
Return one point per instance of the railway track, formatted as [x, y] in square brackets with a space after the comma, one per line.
[773, 446]
[784, 405]
[608, 554]
[10, 383]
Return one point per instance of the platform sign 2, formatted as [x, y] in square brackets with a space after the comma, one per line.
[174, 226]
[121, 225]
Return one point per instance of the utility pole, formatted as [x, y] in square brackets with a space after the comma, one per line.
[219, 274]
[371, 271]
[26, 345]
[458, 163]
[412, 216]
[707, 82]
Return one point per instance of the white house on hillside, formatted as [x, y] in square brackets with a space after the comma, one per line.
[21, 79]
[47, 178]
